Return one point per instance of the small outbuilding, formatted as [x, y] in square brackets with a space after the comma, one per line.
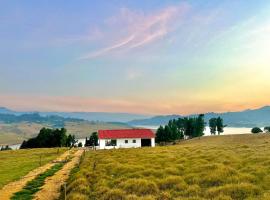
[126, 138]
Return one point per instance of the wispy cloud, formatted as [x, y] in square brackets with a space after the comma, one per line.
[141, 28]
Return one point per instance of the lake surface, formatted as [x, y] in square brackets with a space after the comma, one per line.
[227, 130]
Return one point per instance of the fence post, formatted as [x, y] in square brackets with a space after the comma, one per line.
[65, 191]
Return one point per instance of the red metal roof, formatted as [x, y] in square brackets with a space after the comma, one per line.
[125, 133]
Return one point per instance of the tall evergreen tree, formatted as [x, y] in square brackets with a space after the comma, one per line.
[220, 125]
[159, 135]
[213, 126]
[199, 126]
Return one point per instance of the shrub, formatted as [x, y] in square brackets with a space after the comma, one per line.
[267, 129]
[256, 130]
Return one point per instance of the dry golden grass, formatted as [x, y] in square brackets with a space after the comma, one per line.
[217, 167]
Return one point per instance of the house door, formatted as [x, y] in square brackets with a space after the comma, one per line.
[146, 142]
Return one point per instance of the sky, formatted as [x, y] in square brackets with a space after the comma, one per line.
[135, 56]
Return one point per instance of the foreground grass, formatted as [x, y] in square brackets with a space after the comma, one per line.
[220, 167]
[17, 163]
[35, 185]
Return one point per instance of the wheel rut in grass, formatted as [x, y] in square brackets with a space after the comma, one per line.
[11, 188]
[51, 189]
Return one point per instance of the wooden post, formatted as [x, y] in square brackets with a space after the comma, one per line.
[65, 191]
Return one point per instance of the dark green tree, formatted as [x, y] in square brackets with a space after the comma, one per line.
[5, 148]
[80, 144]
[199, 126]
[93, 140]
[48, 138]
[167, 133]
[71, 141]
[213, 126]
[160, 135]
[256, 130]
[220, 125]
[267, 129]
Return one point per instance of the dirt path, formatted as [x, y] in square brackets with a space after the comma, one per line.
[8, 190]
[51, 189]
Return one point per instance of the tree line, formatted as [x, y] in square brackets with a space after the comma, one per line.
[50, 138]
[216, 125]
[92, 141]
[182, 127]
[188, 127]
[5, 148]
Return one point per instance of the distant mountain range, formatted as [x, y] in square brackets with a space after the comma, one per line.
[247, 118]
[90, 116]
[53, 120]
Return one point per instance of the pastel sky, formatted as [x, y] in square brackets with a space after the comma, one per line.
[139, 56]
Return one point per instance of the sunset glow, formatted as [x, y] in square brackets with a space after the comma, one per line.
[150, 57]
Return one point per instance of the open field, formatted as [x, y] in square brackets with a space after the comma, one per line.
[15, 164]
[217, 167]
[14, 133]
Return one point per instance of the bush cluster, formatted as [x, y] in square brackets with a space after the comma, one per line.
[50, 138]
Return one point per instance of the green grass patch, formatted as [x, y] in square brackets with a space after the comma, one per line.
[15, 164]
[34, 186]
[218, 167]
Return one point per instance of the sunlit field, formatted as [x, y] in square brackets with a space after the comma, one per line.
[216, 167]
[14, 164]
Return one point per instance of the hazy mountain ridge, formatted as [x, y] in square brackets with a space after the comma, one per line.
[247, 118]
[90, 116]
[54, 120]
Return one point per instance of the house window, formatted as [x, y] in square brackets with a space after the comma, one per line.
[110, 143]
[126, 141]
[134, 141]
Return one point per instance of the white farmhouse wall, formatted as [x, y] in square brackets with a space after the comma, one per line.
[153, 143]
[120, 143]
[101, 143]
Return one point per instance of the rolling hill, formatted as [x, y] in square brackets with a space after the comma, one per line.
[16, 128]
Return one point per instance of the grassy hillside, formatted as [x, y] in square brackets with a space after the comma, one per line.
[218, 167]
[15, 164]
[13, 133]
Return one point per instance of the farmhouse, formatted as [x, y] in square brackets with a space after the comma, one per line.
[126, 138]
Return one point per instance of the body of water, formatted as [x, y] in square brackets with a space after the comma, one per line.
[227, 130]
